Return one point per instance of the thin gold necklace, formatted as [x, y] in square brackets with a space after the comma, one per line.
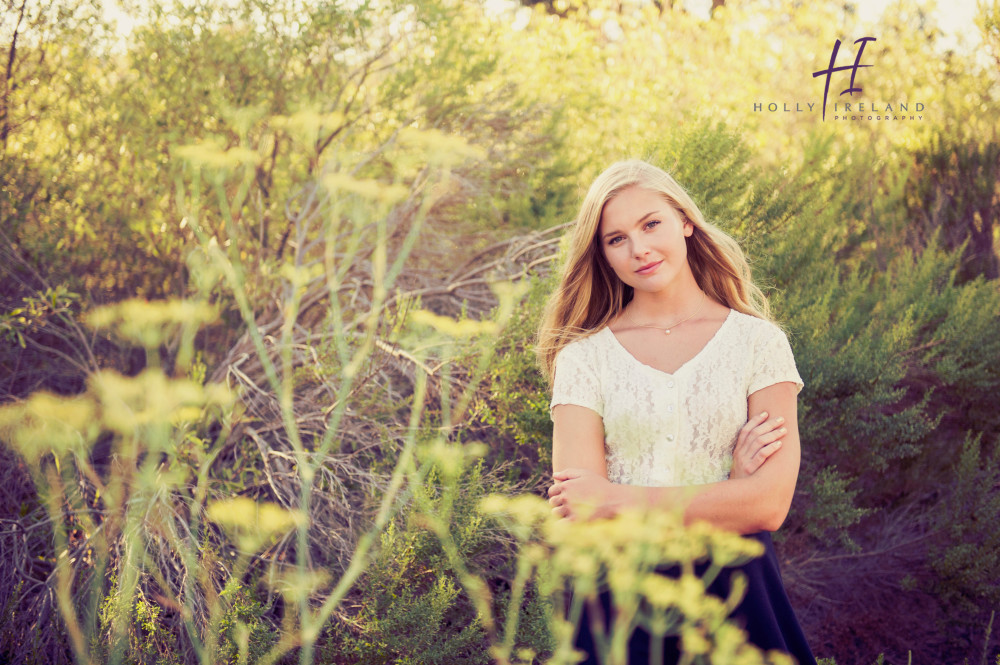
[704, 296]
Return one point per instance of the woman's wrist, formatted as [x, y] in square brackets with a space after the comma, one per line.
[638, 497]
[630, 497]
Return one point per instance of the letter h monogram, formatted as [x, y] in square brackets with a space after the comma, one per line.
[854, 69]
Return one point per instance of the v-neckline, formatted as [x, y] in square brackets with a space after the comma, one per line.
[711, 340]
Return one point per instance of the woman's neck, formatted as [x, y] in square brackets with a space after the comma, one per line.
[678, 301]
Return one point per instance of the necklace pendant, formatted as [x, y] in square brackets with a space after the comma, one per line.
[667, 331]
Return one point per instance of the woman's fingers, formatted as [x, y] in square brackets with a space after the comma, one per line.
[757, 440]
[767, 437]
[766, 426]
[766, 451]
[753, 428]
[758, 458]
[562, 512]
[560, 506]
[558, 498]
[763, 434]
[750, 426]
[774, 425]
[573, 487]
[567, 474]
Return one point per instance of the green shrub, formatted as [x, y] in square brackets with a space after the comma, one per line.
[952, 195]
[410, 605]
[966, 559]
[146, 642]
[512, 409]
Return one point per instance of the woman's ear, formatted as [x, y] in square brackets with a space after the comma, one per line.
[688, 228]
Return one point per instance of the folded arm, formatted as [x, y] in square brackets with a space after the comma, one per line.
[747, 504]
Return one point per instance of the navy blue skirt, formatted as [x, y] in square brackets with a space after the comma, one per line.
[765, 613]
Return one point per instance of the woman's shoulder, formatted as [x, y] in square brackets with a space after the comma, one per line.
[757, 334]
[756, 325]
[586, 345]
[593, 339]
[763, 340]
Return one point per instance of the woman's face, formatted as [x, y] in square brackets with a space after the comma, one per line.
[642, 237]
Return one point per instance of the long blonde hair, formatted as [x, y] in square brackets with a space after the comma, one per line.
[590, 295]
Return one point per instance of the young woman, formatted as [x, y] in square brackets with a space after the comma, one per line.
[667, 373]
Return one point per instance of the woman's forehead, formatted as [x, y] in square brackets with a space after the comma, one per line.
[631, 204]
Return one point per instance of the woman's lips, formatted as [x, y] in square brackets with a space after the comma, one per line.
[648, 268]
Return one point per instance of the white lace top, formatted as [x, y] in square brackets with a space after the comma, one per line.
[674, 429]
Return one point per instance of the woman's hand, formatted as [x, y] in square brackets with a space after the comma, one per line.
[758, 439]
[583, 493]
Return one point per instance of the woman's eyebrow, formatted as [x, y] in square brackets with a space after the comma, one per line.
[639, 221]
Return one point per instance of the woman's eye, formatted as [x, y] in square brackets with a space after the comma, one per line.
[616, 240]
[652, 223]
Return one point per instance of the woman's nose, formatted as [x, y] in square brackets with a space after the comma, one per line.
[639, 248]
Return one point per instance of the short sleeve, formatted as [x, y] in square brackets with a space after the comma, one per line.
[773, 361]
[576, 380]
